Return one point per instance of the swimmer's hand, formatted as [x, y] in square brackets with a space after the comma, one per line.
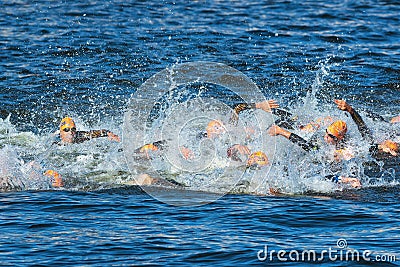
[186, 153]
[234, 150]
[354, 182]
[343, 105]
[395, 119]
[267, 105]
[113, 137]
[275, 130]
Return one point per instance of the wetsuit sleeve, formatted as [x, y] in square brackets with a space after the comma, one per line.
[285, 119]
[374, 149]
[239, 108]
[98, 133]
[82, 136]
[307, 146]
[362, 127]
[244, 106]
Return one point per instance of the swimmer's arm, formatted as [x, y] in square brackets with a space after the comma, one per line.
[304, 144]
[267, 106]
[103, 133]
[294, 138]
[362, 127]
[374, 149]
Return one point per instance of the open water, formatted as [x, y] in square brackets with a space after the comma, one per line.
[86, 59]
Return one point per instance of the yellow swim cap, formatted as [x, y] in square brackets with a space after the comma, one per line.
[337, 129]
[215, 128]
[56, 178]
[258, 158]
[148, 147]
[67, 122]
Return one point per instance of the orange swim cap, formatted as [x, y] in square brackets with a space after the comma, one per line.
[390, 146]
[337, 129]
[258, 159]
[56, 178]
[215, 128]
[67, 122]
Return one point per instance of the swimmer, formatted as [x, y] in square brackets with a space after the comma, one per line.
[69, 134]
[362, 127]
[385, 149]
[214, 129]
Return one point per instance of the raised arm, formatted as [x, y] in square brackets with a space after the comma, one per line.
[362, 127]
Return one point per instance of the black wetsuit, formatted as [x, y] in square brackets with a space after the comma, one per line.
[82, 136]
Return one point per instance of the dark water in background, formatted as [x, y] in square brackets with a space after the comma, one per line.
[87, 58]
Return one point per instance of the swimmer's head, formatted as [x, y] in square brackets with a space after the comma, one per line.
[258, 159]
[215, 128]
[336, 131]
[67, 130]
[67, 124]
[56, 180]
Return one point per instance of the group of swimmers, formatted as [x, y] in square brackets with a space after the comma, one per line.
[335, 138]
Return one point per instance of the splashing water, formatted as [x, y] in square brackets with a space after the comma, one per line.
[100, 164]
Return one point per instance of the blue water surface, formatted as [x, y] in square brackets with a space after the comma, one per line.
[86, 58]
